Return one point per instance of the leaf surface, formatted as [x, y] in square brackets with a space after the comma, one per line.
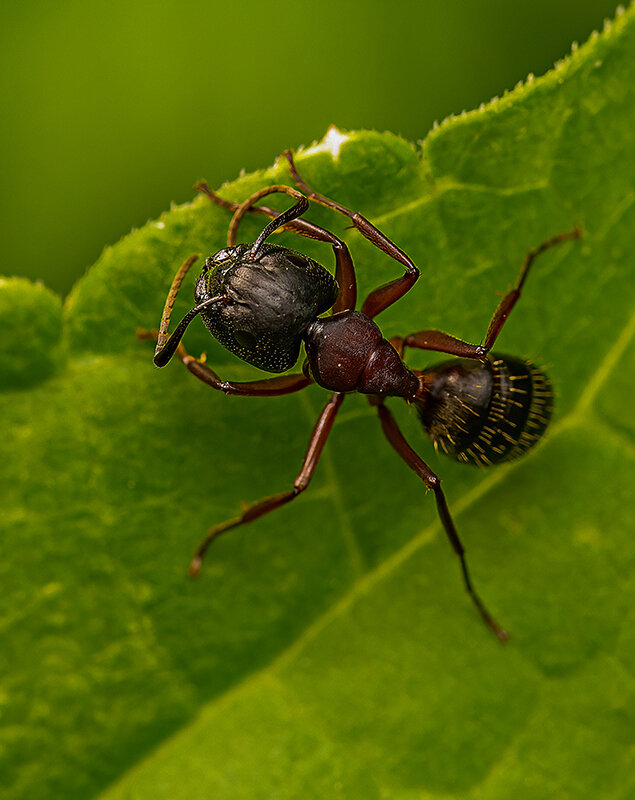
[328, 650]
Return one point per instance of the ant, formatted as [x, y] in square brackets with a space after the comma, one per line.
[262, 301]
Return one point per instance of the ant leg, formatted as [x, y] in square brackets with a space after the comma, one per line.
[288, 216]
[266, 387]
[444, 343]
[317, 441]
[344, 269]
[384, 296]
[300, 226]
[509, 300]
[202, 186]
[431, 481]
[440, 342]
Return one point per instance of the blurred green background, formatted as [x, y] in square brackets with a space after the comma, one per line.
[110, 111]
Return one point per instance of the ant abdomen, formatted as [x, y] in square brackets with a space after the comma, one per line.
[484, 413]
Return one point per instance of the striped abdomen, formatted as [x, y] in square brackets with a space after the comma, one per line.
[485, 413]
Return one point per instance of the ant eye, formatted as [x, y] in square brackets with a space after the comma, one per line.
[245, 339]
[217, 260]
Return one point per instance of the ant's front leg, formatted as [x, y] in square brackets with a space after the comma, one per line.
[387, 294]
[266, 387]
[344, 269]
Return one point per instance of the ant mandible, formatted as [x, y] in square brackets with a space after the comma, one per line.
[262, 301]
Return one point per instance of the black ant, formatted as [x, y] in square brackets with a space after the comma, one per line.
[262, 301]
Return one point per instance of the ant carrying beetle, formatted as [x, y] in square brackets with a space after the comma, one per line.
[262, 301]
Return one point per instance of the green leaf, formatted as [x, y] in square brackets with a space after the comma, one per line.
[329, 650]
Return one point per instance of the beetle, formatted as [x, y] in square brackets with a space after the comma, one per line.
[263, 302]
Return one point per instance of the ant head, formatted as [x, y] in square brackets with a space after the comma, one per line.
[264, 301]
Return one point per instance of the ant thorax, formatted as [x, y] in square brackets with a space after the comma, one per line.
[346, 352]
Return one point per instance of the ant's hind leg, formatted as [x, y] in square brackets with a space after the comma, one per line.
[431, 481]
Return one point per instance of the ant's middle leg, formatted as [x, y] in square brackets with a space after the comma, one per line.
[445, 343]
[387, 294]
[317, 441]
